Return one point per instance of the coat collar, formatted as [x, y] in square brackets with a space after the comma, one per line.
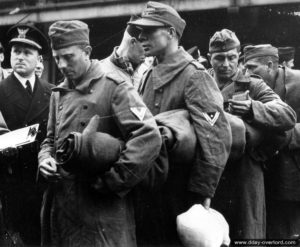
[94, 72]
[164, 72]
[121, 62]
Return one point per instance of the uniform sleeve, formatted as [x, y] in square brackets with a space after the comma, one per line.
[142, 140]
[205, 104]
[269, 111]
[47, 146]
[294, 142]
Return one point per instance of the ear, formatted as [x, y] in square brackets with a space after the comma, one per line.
[172, 31]
[88, 50]
[133, 41]
[270, 65]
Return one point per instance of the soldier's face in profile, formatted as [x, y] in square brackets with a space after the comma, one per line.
[72, 61]
[154, 40]
[225, 63]
[254, 66]
[23, 59]
[136, 52]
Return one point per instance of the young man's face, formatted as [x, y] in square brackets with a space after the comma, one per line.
[23, 59]
[154, 40]
[72, 61]
[136, 52]
[225, 64]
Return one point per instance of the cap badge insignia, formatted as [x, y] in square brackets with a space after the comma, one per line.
[148, 11]
[22, 32]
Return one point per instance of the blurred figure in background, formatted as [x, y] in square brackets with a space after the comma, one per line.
[286, 56]
[195, 53]
[39, 67]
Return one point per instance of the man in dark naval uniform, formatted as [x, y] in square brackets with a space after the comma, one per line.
[24, 100]
[240, 196]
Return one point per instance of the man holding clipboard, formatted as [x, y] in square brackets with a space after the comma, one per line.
[24, 101]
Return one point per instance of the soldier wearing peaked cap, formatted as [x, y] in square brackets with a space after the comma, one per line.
[24, 100]
[282, 187]
[92, 199]
[176, 80]
[240, 195]
[286, 56]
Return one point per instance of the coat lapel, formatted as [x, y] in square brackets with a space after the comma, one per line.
[39, 102]
[16, 93]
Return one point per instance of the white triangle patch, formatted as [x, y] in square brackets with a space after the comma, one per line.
[139, 112]
[211, 117]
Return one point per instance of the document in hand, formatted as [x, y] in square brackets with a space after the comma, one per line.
[19, 137]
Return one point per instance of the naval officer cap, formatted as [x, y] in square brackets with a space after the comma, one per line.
[255, 51]
[68, 33]
[160, 15]
[27, 33]
[223, 41]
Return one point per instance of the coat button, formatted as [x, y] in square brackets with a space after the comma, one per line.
[156, 105]
[60, 107]
[82, 124]
[91, 91]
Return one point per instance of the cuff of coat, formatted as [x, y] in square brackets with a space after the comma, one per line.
[44, 154]
[205, 178]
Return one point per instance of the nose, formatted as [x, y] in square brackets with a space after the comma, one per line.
[61, 63]
[225, 63]
[20, 56]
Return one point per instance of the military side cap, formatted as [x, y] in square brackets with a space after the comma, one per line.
[132, 30]
[254, 51]
[159, 15]
[27, 33]
[286, 53]
[68, 33]
[222, 41]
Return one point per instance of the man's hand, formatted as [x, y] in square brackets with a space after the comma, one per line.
[48, 168]
[240, 107]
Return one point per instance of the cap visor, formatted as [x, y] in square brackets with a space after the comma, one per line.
[26, 41]
[145, 22]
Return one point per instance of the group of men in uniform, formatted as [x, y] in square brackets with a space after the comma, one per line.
[116, 166]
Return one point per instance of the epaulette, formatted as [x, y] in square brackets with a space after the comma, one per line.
[115, 77]
[197, 65]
